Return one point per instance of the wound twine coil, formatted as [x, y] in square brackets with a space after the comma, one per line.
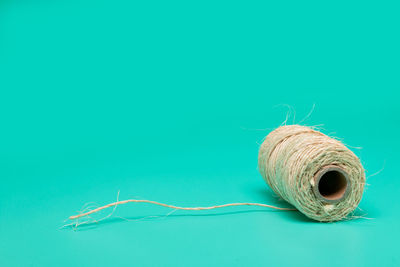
[317, 174]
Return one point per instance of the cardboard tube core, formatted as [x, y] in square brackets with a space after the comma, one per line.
[331, 184]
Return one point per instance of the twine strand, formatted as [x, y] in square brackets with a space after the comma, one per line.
[174, 207]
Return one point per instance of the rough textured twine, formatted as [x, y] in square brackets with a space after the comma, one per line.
[292, 155]
[289, 159]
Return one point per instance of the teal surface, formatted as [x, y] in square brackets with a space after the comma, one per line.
[169, 101]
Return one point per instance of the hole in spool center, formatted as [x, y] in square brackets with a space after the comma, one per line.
[332, 185]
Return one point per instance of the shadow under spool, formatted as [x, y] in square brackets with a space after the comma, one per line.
[331, 184]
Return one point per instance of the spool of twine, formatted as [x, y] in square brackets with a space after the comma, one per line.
[317, 174]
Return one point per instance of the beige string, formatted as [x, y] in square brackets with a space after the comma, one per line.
[173, 207]
[289, 160]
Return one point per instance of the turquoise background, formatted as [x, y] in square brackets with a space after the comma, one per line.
[169, 101]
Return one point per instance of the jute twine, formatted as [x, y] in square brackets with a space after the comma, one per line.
[315, 173]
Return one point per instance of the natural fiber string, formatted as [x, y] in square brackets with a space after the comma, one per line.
[290, 159]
